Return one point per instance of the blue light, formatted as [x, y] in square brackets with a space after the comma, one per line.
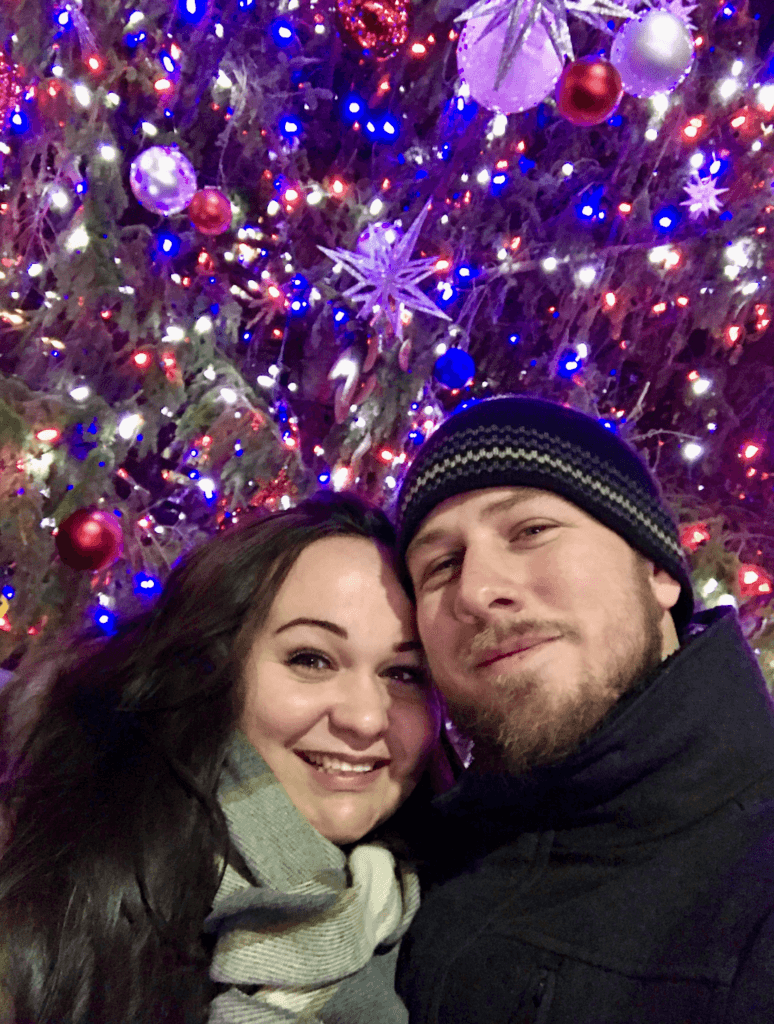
[499, 181]
[568, 365]
[514, 339]
[299, 282]
[245, 5]
[615, 121]
[9, 593]
[105, 620]
[416, 436]
[167, 244]
[587, 211]
[19, 123]
[167, 62]
[82, 187]
[193, 474]
[446, 295]
[324, 478]
[728, 11]
[192, 10]
[298, 307]
[608, 425]
[525, 164]
[464, 272]
[389, 129]
[667, 219]
[63, 19]
[282, 32]
[340, 316]
[370, 128]
[726, 215]
[353, 108]
[146, 586]
[289, 126]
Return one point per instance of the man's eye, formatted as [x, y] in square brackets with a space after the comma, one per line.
[313, 660]
[441, 566]
[535, 530]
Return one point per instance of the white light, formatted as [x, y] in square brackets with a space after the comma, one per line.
[582, 349]
[483, 177]
[567, 170]
[736, 254]
[709, 587]
[149, 129]
[129, 425]
[756, 145]
[499, 125]
[502, 254]
[135, 18]
[80, 393]
[223, 81]
[697, 160]
[439, 350]
[701, 386]
[750, 287]
[766, 97]
[274, 371]
[209, 373]
[108, 152]
[692, 451]
[340, 477]
[273, 208]
[651, 135]
[736, 68]
[712, 426]
[344, 368]
[728, 599]
[35, 269]
[390, 481]
[83, 94]
[174, 333]
[265, 381]
[586, 275]
[78, 239]
[203, 324]
[207, 485]
[731, 272]
[549, 264]
[660, 102]
[727, 88]
[60, 199]
[314, 198]
[112, 99]
[228, 395]
[319, 30]
[376, 207]
[292, 387]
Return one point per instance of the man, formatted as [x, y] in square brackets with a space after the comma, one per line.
[609, 855]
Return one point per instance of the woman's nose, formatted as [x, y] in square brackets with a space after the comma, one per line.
[361, 708]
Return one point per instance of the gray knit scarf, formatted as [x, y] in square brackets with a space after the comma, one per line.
[293, 916]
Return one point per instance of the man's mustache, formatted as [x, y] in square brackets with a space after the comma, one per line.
[500, 635]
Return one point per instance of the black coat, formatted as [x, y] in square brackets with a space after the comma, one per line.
[631, 883]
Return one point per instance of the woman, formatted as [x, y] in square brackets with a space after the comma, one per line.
[185, 804]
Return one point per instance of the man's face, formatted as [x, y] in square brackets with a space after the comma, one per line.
[535, 618]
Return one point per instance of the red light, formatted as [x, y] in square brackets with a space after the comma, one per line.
[693, 535]
[338, 187]
[387, 455]
[162, 85]
[141, 359]
[732, 333]
[750, 449]
[94, 63]
[624, 208]
[682, 300]
[659, 308]
[694, 375]
[610, 299]
[49, 435]
[418, 49]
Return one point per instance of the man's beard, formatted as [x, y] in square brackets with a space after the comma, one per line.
[523, 725]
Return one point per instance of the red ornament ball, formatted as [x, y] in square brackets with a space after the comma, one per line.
[754, 581]
[588, 91]
[694, 535]
[210, 211]
[90, 539]
[379, 26]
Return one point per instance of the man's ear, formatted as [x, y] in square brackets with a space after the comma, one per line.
[666, 589]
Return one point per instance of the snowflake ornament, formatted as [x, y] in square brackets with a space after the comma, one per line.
[702, 196]
[521, 15]
[388, 279]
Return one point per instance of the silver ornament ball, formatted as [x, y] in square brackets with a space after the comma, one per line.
[162, 180]
[652, 53]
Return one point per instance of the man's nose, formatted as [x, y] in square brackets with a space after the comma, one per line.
[485, 588]
[361, 708]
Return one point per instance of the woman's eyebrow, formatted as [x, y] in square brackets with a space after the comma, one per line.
[320, 623]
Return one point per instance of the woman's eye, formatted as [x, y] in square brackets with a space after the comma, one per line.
[313, 660]
[411, 674]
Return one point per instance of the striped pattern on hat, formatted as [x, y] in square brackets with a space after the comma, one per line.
[519, 441]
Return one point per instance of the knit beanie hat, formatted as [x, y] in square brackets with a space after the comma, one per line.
[515, 441]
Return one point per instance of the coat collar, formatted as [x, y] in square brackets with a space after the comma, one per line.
[699, 734]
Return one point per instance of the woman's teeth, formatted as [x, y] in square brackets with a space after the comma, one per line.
[332, 764]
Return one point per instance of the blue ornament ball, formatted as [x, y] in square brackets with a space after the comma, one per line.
[454, 368]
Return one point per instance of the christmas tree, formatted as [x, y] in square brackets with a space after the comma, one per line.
[253, 248]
